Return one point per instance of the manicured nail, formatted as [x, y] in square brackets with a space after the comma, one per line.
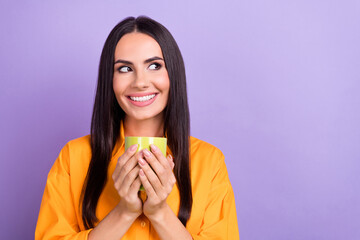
[153, 148]
[141, 161]
[146, 152]
[133, 147]
[141, 172]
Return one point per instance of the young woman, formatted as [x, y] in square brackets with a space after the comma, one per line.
[92, 190]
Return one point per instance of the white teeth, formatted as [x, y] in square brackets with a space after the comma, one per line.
[143, 99]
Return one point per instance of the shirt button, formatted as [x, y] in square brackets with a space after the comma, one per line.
[143, 224]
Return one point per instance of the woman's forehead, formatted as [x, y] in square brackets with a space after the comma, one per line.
[137, 45]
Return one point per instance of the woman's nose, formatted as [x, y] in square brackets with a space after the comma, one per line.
[141, 80]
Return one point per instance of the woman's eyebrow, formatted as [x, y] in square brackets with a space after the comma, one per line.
[152, 59]
[146, 61]
[123, 61]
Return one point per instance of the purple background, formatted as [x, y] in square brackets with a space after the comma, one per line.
[274, 84]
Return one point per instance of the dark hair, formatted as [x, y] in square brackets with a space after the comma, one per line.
[107, 115]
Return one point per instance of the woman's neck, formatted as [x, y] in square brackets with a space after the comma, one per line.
[153, 127]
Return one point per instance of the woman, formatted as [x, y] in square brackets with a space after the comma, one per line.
[92, 188]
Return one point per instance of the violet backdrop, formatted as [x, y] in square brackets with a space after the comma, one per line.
[274, 84]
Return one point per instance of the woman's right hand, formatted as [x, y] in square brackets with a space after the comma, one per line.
[127, 182]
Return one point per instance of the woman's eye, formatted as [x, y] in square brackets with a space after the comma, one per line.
[155, 66]
[124, 69]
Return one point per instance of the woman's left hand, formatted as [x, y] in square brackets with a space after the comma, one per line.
[158, 181]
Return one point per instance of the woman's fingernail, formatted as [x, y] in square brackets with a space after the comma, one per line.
[146, 152]
[153, 148]
[141, 161]
[171, 158]
[133, 147]
[141, 172]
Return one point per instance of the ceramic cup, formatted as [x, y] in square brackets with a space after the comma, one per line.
[145, 142]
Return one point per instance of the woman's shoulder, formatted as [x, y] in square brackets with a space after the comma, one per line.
[207, 163]
[76, 148]
[80, 143]
[74, 155]
[200, 150]
[197, 144]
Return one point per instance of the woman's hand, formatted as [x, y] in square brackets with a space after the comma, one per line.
[127, 182]
[158, 181]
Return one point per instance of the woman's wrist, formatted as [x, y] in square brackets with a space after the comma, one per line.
[123, 212]
[114, 225]
[160, 215]
[167, 224]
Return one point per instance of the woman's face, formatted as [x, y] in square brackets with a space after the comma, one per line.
[141, 81]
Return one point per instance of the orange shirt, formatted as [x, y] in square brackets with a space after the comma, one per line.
[213, 214]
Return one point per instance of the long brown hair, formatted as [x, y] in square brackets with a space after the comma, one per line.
[107, 115]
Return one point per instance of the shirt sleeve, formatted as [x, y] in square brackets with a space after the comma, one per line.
[220, 220]
[57, 216]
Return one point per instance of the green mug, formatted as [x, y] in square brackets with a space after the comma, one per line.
[145, 142]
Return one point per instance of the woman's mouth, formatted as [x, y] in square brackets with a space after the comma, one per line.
[142, 101]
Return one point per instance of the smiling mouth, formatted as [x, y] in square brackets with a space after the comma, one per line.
[143, 98]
